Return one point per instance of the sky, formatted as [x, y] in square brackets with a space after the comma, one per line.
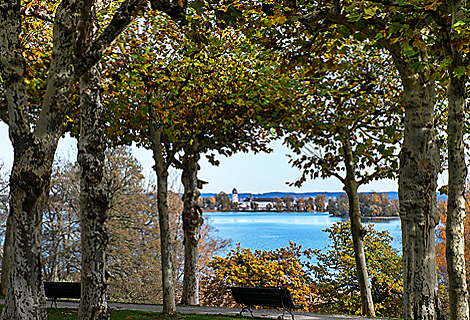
[247, 172]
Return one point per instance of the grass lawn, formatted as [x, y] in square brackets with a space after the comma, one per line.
[71, 314]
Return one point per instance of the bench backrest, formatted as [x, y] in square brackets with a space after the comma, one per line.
[55, 290]
[269, 297]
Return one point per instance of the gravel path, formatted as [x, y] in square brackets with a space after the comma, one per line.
[267, 314]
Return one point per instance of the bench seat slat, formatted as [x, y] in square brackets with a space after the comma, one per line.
[264, 297]
[62, 290]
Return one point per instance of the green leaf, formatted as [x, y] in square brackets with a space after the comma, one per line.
[459, 71]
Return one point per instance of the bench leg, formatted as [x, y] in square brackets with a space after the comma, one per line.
[291, 313]
[244, 309]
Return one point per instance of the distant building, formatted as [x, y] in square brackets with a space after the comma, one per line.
[235, 196]
[262, 204]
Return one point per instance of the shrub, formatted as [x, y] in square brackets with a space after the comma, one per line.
[336, 279]
[284, 267]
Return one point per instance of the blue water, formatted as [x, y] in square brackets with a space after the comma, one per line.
[271, 230]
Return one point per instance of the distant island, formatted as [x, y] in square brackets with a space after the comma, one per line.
[372, 204]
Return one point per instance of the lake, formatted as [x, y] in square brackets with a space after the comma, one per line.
[271, 230]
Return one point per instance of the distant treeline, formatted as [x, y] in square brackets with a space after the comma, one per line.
[222, 202]
[371, 205]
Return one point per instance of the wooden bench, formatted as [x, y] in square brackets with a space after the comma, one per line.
[62, 290]
[249, 297]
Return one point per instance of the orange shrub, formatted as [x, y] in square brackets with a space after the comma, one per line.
[284, 268]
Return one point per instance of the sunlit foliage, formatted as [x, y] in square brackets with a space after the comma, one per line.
[335, 273]
[282, 267]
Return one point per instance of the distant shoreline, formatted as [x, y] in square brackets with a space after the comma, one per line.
[380, 218]
[365, 218]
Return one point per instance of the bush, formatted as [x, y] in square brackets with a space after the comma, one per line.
[336, 279]
[284, 267]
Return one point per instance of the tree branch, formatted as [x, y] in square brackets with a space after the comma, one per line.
[316, 16]
[336, 175]
[4, 111]
[171, 8]
[36, 13]
[335, 15]
[380, 173]
[397, 4]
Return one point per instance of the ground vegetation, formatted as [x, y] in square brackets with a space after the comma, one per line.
[321, 281]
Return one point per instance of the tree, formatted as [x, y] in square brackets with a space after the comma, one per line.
[244, 111]
[441, 245]
[35, 139]
[346, 117]
[93, 200]
[320, 203]
[288, 202]
[456, 97]
[209, 202]
[200, 104]
[403, 30]
[311, 204]
[283, 267]
[376, 204]
[134, 236]
[331, 207]
[223, 201]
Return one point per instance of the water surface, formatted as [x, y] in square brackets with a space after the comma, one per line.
[271, 230]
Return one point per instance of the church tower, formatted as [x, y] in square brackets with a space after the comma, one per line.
[234, 195]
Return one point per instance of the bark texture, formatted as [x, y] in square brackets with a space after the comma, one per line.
[33, 152]
[455, 241]
[29, 188]
[161, 169]
[93, 200]
[192, 222]
[350, 186]
[419, 165]
[6, 261]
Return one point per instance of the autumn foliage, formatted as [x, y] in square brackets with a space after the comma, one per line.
[335, 273]
[282, 267]
[329, 285]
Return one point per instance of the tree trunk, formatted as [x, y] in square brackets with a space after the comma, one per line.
[419, 164]
[192, 221]
[33, 152]
[455, 241]
[350, 186]
[161, 169]
[29, 185]
[93, 200]
[7, 257]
